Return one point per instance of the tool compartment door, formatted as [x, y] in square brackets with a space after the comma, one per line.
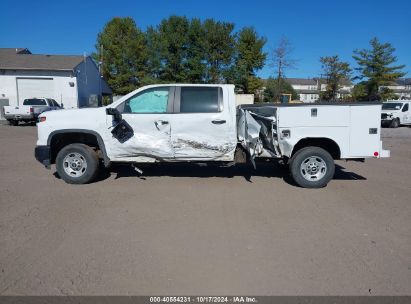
[365, 130]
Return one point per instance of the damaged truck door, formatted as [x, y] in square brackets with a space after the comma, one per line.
[203, 127]
[148, 113]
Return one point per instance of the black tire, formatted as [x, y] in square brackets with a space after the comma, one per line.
[80, 154]
[395, 123]
[306, 159]
[14, 122]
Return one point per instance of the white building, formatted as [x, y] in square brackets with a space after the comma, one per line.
[401, 88]
[74, 81]
[309, 88]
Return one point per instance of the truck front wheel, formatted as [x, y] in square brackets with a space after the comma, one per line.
[312, 167]
[77, 164]
[395, 123]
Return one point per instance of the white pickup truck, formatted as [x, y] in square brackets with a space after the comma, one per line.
[30, 110]
[395, 113]
[201, 123]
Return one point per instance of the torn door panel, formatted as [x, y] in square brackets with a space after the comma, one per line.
[204, 136]
[147, 142]
[257, 134]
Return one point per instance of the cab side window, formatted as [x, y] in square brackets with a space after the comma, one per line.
[405, 108]
[154, 100]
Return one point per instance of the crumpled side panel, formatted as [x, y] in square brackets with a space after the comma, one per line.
[186, 145]
[249, 134]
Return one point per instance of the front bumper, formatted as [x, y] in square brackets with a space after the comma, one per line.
[42, 154]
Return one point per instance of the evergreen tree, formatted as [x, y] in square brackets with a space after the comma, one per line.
[376, 69]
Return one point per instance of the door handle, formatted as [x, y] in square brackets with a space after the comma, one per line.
[218, 121]
[161, 122]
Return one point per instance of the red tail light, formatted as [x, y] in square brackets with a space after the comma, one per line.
[42, 118]
[31, 110]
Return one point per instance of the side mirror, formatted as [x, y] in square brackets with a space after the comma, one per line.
[114, 112]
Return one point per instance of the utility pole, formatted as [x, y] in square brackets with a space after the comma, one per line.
[100, 66]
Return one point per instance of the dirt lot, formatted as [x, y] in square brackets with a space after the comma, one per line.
[188, 230]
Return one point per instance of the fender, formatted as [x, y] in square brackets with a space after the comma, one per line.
[97, 135]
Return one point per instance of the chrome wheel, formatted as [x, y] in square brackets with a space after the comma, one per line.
[313, 168]
[74, 164]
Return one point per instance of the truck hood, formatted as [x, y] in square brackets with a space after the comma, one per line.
[74, 114]
[88, 118]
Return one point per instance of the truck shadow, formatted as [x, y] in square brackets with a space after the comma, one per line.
[265, 169]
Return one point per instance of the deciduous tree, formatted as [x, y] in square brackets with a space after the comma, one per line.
[273, 90]
[249, 58]
[281, 61]
[219, 49]
[122, 49]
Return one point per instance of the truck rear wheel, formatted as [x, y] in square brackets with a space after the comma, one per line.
[13, 122]
[77, 164]
[312, 167]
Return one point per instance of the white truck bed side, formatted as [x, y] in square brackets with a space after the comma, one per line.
[355, 128]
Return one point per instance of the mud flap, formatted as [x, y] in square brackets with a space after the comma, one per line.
[122, 131]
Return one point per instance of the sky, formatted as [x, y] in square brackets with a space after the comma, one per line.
[315, 28]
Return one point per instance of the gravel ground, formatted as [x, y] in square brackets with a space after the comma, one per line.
[189, 230]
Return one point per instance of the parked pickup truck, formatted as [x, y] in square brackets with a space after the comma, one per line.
[395, 113]
[30, 110]
[201, 123]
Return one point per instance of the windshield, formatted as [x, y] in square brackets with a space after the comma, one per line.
[392, 106]
[34, 102]
[53, 103]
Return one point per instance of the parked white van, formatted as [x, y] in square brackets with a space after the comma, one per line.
[396, 113]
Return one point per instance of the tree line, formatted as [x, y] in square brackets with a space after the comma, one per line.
[186, 50]
[375, 69]
[179, 50]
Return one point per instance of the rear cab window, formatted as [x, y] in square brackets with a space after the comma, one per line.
[200, 99]
[34, 102]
